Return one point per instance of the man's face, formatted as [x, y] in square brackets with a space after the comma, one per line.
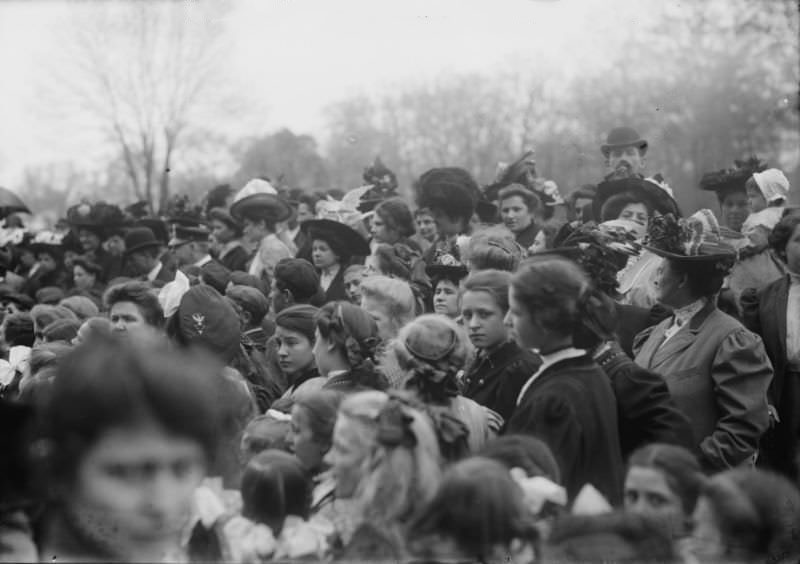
[141, 262]
[183, 253]
[626, 161]
[126, 317]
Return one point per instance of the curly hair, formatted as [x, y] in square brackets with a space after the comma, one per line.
[781, 233]
[396, 260]
[531, 200]
[396, 214]
[395, 295]
[140, 294]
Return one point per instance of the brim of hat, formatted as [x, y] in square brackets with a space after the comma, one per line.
[369, 205]
[656, 197]
[445, 271]
[143, 246]
[641, 144]
[267, 205]
[715, 257]
[46, 248]
[346, 235]
[186, 221]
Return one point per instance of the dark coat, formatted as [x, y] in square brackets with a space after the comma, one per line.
[494, 380]
[646, 411]
[571, 407]
[718, 373]
[336, 291]
[235, 259]
[527, 237]
[764, 312]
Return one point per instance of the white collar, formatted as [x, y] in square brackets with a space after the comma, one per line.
[549, 360]
[154, 273]
[203, 261]
[333, 373]
[684, 314]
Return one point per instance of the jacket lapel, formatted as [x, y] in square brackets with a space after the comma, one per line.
[685, 336]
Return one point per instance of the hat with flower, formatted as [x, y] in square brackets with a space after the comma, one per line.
[696, 239]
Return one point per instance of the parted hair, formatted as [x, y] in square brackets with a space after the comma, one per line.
[493, 282]
[396, 214]
[680, 469]
[616, 203]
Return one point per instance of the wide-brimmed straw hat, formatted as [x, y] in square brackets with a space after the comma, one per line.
[652, 190]
[260, 199]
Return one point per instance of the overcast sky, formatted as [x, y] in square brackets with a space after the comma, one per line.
[293, 57]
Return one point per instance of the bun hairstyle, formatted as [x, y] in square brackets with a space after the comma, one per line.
[496, 248]
[432, 349]
[396, 214]
[354, 333]
[553, 290]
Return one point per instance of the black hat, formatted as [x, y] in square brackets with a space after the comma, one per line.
[696, 239]
[655, 194]
[182, 211]
[47, 242]
[447, 264]
[96, 217]
[139, 239]
[346, 237]
[621, 137]
[383, 182]
[732, 179]
[24, 301]
[157, 225]
[182, 234]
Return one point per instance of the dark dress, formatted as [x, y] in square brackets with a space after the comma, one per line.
[235, 259]
[571, 407]
[646, 412]
[764, 312]
[632, 320]
[495, 379]
[527, 237]
[336, 291]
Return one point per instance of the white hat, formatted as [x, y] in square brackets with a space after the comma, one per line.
[773, 184]
[260, 196]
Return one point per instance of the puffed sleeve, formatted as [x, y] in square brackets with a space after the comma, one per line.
[741, 373]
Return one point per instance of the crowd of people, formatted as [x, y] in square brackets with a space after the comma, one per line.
[482, 374]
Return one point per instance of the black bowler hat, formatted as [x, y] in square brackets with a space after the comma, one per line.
[139, 239]
[621, 137]
[182, 234]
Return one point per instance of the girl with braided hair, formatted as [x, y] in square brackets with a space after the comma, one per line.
[433, 351]
[345, 345]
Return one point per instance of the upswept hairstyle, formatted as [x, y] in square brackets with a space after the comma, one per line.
[355, 335]
[321, 408]
[616, 203]
[275, 485]
[680, 468]
[139, 294]
[432, 348]
[395, 295]
[480, 507]
[493, 282]
[451, 190]
[396, 260]
[400, 470]
[495, 248]
[530, 199]
[396, 214]
[110, 382]
[552, 290]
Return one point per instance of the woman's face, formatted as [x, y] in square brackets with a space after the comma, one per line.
[483, 319]
[637, 213]
[83, 279]
[793, 251]
[133, 490]
[89, 240]
[735, 209]
[346, 457]
[126, 317]
[322, 356]
[115, 245]
[515, 214]
[253, 231]
[47, 263]
[381, 231]
[527, 333]
[301, 440]
[648, 493]
[445, 298]
[322, 255]
[376, 310]
[707, 542]
[221, 232]
[669, 285]
[304, 213]
[352, 285]
[27, 258]
[426, 226]
[295, 351]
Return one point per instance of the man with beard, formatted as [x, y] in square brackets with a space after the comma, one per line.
[625, 156]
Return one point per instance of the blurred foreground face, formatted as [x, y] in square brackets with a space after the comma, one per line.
[346, 457]
[648, 493]
[133, 490]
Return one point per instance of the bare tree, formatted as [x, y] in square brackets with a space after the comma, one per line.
[144, 70]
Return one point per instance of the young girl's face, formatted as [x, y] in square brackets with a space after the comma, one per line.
[483, 319]
[754, 196]
[445, 298]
